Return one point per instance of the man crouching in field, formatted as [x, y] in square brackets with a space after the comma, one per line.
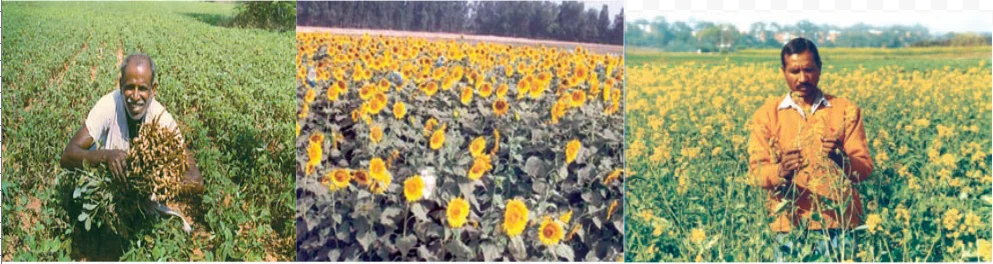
[105, 138]
[116, 119]
[808, 149]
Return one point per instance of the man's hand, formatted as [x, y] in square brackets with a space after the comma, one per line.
[828, 145]
[116, 160]
[791, 162]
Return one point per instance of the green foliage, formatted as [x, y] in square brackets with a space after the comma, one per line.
[352, 223]
[576, 21]
[275, 15]
[927, 122]
[219, 83]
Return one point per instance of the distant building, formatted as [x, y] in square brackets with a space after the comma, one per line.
[833, 35]
[783, 37]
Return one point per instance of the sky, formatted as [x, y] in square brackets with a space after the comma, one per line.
[613, 6]
[935, 21]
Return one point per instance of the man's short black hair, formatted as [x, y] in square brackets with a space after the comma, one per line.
[797, 46]
[139, 58]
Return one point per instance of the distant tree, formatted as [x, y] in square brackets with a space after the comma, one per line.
[603, 25]
[274, 15]
[617, 37]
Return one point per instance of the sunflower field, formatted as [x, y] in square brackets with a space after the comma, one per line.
[222, 86]
[410, 149]
[927, 116]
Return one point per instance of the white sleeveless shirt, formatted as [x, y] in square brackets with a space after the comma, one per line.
[108, 121]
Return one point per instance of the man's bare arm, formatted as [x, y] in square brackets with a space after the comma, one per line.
[78, 151]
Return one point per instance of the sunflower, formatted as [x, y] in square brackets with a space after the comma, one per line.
[413, 188]
[447, 83]
[612, 176]
[399, 110]
[500, 107]
[333, 92]
[515, 218]
[477, 146]
[550, 232]
[558, 111]
[438, 73]
[594, 86]
[571, 150]
[485, 89]
[377, 104]
[380, 184]
[577, 98]
[466, 95]
[437, 139]
[310, 168]
[537, 88]
[377, 168]
[310, 95]
[304, 111]
[356, 114]
[501, 90]
[457, 212]
[315, 151]
[366, 92]
[430, 88]
[383, 85]
[479, 166]
[523, 88]
[566, 217]
[456, 73]
[574, 81]
[376, 133]
[340, 179]
[580, 71]
[429, 125]
[544, 77]
[606, 93]
[361, 177]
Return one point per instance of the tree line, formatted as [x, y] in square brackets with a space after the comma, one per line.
[566, 21]
[708, 36]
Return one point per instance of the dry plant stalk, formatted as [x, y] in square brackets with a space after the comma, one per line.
[158, 162]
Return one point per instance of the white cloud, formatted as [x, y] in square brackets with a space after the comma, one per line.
[935, 21]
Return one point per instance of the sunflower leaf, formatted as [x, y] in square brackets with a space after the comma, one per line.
[565, 251]
[535, 167]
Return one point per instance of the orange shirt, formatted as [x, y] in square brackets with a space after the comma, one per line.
[821, 182]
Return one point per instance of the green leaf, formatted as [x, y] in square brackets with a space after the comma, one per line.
[419, 212]
[365, 239]
[781, 206]
[535, 167]
[89, 206]
[565, 251]
[386, 217]
[82, 216]
[563, 172]
[405, 244]
[460, 250]
[517, 248]
[490, 251]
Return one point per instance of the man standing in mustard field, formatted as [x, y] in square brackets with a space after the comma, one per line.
[808, 149]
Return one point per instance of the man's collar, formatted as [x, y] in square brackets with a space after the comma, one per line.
[788, 102]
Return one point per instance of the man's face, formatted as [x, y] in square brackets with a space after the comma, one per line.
[138, 89]
[801, 73]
